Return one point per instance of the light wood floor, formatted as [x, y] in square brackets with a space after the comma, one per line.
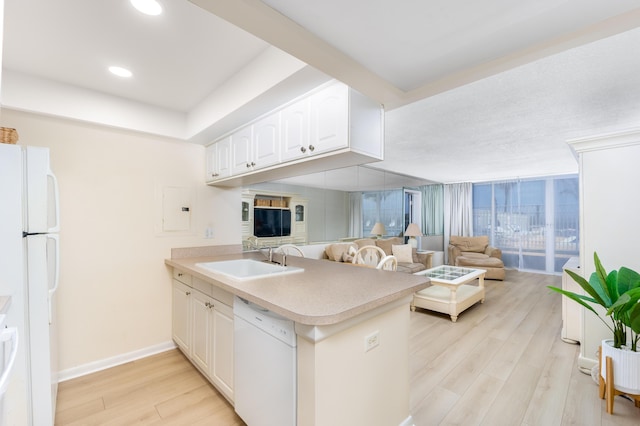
[502, 363]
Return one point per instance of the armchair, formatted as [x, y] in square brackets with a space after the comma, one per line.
[475, 252]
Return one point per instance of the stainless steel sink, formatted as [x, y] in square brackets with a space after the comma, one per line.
[248, 269]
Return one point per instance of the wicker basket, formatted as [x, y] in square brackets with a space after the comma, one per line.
[261, 202]
[8, 135]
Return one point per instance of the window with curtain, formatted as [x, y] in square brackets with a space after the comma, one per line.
[385, 207]
[534, 222]
[432, 209]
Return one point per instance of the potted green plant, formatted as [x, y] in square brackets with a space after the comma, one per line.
[618, 292]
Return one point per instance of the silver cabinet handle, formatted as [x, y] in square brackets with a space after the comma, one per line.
[303, 149]
[311, 148]
[187, 293]
[253, 164]
[248, 165]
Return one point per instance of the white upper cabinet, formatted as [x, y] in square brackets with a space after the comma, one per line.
[295, 130]
[241, 157]
[333, 126]
[316, 124]
[256, 146]
[329, 119]
[218, 160]
[266, 141]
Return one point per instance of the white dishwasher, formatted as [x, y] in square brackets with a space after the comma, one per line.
[264, 366]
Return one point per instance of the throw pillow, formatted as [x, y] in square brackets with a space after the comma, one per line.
[347, 257]
[386, 244]
[402, 253]
[338, 249]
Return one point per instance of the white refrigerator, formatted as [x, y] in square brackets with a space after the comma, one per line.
[30, 265]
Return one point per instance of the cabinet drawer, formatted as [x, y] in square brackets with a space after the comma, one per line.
[213, 291]
[182, 277]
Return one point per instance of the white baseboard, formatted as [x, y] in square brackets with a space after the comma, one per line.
[586, 364]
[103, 364]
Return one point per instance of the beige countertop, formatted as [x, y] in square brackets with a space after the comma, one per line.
[325, 293]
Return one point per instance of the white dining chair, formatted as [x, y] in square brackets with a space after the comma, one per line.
[388, 263]
[290, 250]
[368, 255]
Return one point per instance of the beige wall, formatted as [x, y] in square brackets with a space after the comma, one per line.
[115, 291]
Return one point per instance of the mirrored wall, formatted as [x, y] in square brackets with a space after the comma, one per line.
[335, 205]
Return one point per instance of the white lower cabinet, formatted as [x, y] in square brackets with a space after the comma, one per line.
[222, 341]
[181, 316]
[201, 323]
[203, 330]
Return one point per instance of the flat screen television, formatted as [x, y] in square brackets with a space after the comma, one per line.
[271, 222]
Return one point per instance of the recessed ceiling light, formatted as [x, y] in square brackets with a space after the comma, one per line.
[148, 7]
[120, 72]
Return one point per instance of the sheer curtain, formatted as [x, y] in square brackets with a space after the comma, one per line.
[355, 214]
[535, 222]
[458, 212]
[432, 209]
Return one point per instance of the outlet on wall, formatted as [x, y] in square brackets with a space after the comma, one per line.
[208, 233]
[371, 341]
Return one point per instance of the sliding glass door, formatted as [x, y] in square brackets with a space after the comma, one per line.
[534, 222]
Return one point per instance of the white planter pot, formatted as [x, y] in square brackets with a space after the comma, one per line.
[626, 368]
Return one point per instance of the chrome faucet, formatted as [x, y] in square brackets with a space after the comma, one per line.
[268, 255]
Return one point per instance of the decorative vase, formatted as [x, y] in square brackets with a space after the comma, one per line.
[626, 367]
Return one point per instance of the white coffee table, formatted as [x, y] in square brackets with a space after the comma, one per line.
[450, 292]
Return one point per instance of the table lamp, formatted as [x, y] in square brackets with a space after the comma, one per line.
[378, 230]
[412, 232]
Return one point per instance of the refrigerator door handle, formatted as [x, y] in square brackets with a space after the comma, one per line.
[56, 275]
[10, 333]
[56, 201]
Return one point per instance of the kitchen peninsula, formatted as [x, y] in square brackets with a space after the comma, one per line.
[339, 310]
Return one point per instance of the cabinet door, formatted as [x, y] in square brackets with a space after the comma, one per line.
[241, 142]
[295, 130]
[329, 119]
[217, 160]
[222, 363]
[181, 316]
[266, 141]
[299, 223]
[246, 223]
[223, 158]
[201, 312]
[210, 158]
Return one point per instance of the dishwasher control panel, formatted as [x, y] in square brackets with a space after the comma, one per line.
[276, 325]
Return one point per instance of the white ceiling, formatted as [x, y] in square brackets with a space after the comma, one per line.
[411, 43]
[177, 58]
[474, 90]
